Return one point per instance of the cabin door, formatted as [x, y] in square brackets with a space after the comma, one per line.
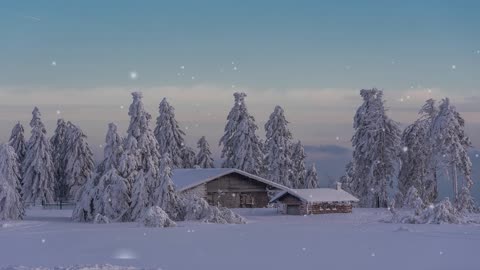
[293, 210]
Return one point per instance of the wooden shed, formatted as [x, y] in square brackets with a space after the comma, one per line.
[314, 201]
[230, 188]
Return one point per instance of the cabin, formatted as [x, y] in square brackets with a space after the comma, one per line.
[231, 188]
[314, 201]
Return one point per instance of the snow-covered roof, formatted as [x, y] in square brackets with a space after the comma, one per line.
[188, 178]
[318, 195]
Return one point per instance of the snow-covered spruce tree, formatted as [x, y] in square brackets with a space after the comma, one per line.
[169, 134]
[58, 146]
[376, 144]
[277, 149]
[11, 203]
[93, 196]
[78, 160]
[140, 155]
[38, 169]
[165, 195]
[451, 146]
[418, 165]
[242, 149]
[204, 157]
[17, 141]
[347, 178]
[299, 172]
[188, 157]
[311, 179]
[112, 150]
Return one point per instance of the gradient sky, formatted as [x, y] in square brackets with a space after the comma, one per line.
[311, 57]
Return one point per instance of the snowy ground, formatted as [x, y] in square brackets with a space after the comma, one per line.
[337, 241]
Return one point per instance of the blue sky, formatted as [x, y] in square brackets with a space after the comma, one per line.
[311, 57]
[274, 44]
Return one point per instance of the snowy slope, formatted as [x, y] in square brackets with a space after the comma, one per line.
[270, 241]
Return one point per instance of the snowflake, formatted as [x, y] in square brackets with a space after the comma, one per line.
[337, 138]
[373, 254]
[58, 112]
[408, 97]
[100, 146]
[54, 63]
[429, 90]
[121, 107]
[477, 155]
[304, 249]
[235, 68]
[405, 149]
[193, 77]
[133, 75]
[401, 99]
[182, 67]
[441, 252]
[43, 241]
[454, 67]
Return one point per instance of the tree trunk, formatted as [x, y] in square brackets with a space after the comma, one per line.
[455, 182]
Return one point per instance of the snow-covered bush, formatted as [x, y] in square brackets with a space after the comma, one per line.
[465, 202]
[441, 213]
[101, 219]
[413, 200]
[155, 217]
[199, 209]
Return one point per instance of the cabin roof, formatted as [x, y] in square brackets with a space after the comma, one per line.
[185, 179]
[318, 195]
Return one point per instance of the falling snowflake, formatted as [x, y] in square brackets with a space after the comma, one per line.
[401, 99]
[100, 146]
[235, 68]
[133, 75]
[441, 252]
[193, 77]
[408, 97]
[337, 138]
[304, 249]
[182, 67]
[121, 107]
[477, 155]
[405, 149]
[43, 241]
[373, 254]
[454, 67]
[429, 90]
[58, 111]
[54, 63]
